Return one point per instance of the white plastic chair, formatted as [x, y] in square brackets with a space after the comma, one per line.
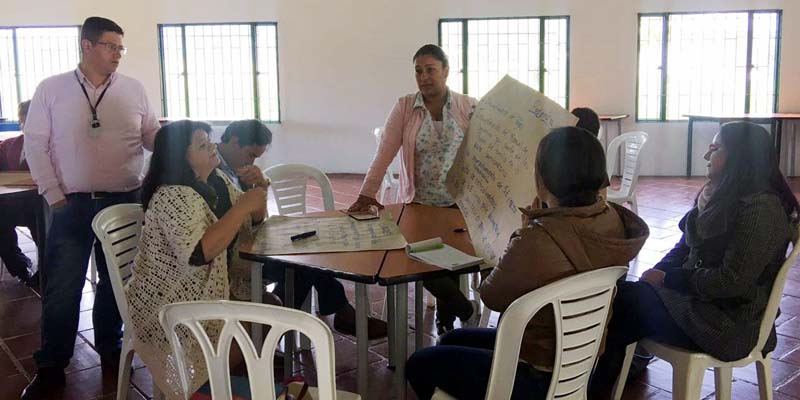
[630, 164]
[580, 305]
[288, 183]
[389, 181]
[118, 229]
[688, 368]
[259, 361]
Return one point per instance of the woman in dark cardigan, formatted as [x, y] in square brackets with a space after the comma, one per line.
[709, 293]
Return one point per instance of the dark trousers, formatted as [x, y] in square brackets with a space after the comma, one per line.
[460, 365]
[450, 302]
[12, 215]
[69, 245]
[638, 312]
[330, 291]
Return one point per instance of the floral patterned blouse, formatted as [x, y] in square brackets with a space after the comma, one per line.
[436, 149]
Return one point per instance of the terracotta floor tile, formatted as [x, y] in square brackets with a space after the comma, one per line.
[741, 390]
[11, 386]
[7, 366]
[89, 384]
[781, 372]
[790, 328]
[791, 387]
[11, 289]
[790, 305]
[659, 375]
[24, 346]
[20, 316]
[785, 346]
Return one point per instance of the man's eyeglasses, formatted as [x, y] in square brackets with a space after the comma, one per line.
[114, 48]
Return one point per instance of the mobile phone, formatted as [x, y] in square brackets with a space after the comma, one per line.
[365, 216]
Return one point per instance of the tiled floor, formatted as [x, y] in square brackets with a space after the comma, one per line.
[662, 202]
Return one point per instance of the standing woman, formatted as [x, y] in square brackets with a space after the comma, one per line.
[427, 128]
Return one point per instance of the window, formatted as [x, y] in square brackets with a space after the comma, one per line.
[30, 54]
[220, 71]
[533, 50]
[707, 63]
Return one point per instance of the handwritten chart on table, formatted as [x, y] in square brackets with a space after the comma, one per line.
[334, 234]
[16, 179]
[493, 175]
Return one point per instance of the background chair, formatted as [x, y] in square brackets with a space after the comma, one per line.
[632, 144]
[688, 368]
[289, 187]
[580, 304]
[389, 182]
[259, 360]
[118, 229]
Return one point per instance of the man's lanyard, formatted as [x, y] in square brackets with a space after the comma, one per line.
[95, 122]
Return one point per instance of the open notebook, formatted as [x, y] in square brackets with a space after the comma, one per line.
[434, 252]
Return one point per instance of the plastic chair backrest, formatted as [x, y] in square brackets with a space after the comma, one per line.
[630, 163]
[260, 365]
[118, 228]
[288, 183]
[771, 312]
[580, 304]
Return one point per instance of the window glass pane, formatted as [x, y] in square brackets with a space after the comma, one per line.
[220, 72]
[762, 74]
[44, 52]
[40, 53]
[555, 60]
[452, 43]
[650, 48]
[8, 80]
[267, 47]
[172, 74]
[706, 68]
[497, 47]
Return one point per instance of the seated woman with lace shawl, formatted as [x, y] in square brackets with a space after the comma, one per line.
[193, 216]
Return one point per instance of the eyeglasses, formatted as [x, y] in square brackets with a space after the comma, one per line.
[114, 48]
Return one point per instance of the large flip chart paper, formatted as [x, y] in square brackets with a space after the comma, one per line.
[493, 175]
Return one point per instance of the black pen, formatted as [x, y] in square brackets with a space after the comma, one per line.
[303, 235]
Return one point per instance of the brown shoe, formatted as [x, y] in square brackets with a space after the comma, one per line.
[345, 322]
[271, 299]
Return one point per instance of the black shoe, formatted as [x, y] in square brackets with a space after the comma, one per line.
[33, 280]
[47, 381]
[345, 322]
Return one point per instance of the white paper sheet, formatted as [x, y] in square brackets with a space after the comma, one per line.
[493, 175]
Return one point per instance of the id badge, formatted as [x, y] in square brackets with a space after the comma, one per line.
[95, 129]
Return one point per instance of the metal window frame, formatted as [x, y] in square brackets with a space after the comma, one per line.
[665, 56]
[465, 43]
[254, 59]
[15, 46]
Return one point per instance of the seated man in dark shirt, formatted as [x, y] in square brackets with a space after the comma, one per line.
[242, 143]
[15, 213]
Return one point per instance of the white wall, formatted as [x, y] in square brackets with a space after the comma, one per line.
[343, 63]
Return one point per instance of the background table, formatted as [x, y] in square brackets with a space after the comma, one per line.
[775, 121]
[392, 269]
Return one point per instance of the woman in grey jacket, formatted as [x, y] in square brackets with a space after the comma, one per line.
[709, 292]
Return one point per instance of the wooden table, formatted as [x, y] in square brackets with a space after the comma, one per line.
[605, 119]
[18, 187]
[392, 269]
[775, 121]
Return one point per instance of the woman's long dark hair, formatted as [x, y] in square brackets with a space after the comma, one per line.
[572, 165]
[751, 166]
[169, 164]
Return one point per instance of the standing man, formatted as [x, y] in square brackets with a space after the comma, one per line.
[84, 137]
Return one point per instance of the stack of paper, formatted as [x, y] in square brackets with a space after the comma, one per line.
[434, 252]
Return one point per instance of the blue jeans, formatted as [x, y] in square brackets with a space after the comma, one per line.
[69, 245]
[460, 365]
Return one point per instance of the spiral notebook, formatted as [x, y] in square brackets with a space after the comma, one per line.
[435, 252]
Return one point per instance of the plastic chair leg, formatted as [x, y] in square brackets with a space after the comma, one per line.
[124, 375]
[619, 386]
[722, 383]
[764, 370]
[305, 342]
[634, 206]
[687, 381]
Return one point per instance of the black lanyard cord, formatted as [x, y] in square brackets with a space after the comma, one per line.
[93, 108]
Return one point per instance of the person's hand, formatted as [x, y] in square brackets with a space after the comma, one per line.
[252, 177]
[59, 204]
[254, 202]
[654, 276]
[363, 204]
[537, 204]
